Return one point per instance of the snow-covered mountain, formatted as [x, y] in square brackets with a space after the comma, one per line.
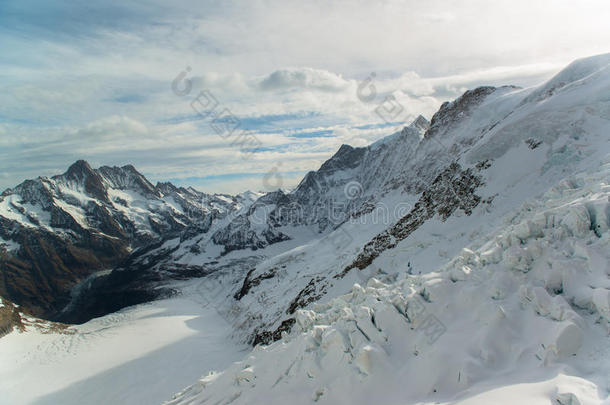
[481, 156]
[55, 232]
[460, 260]
[520, 316]
[498, 270]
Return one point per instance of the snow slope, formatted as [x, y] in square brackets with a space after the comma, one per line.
[520, 316]
[139, 355]
[515, 149]
[511, 341]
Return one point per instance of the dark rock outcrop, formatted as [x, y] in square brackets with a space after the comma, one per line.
[453, 112]
[266, 337]
[453, 189]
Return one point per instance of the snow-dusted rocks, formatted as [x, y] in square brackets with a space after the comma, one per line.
[57, 231]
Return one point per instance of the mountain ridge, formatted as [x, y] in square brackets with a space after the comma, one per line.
[63, 228]
[88, 220]
[493, 286]
[86, 204]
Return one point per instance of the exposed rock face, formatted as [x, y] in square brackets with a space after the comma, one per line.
[254, 229]
[453, 189]
[10, 318]
[40, 274]
[250, 282]
[452, 112]
[69, 226]
[312, 292]
[267, 337]
[131, 282]
[128, 178]
[13, 318]
[413, 160]
[82, 174]
[325, 198]
[421, 124]
[347, 157]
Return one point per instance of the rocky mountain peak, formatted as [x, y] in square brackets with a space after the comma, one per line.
[166, 187]
[61, 229]
[32, 191]
[81, 173]
[421, 123]
[346, 157]
[272, 197]
[79, 168]
[452, 112]
[128, 178]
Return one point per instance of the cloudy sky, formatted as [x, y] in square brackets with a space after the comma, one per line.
[220, 95]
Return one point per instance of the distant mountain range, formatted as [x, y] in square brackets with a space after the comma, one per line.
[55, 232]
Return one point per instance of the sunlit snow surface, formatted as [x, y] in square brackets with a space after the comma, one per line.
[140, 355]
[520, 317]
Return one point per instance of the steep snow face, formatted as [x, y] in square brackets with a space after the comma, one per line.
[452, 188]
[355, 180]
[522, 314]
[575, 74]
[505, 148]
[350, 182]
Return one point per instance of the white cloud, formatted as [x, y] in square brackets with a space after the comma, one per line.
[227, 82]
[113, 127]
[101, 90]
[304, 78]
